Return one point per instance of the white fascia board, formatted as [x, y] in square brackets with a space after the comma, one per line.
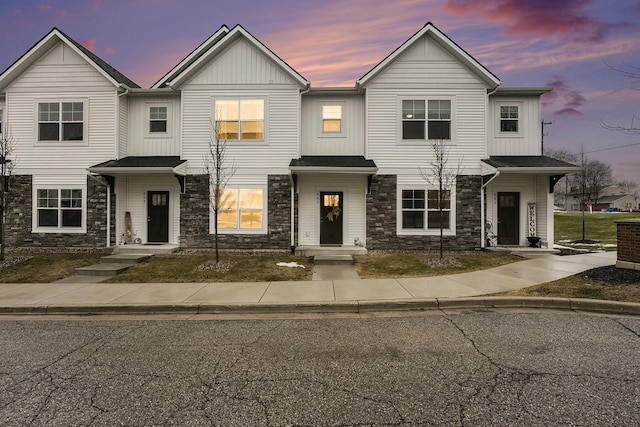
[452, 47]
[236, 32]
[211, 41]
[539, 170]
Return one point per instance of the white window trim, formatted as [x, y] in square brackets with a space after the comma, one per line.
[499, 133]
[424, 232]
[426, 99]
[59, 143]
[245, 142]
[147, 130]
[242, 231]
[321, 132]
[35, 228]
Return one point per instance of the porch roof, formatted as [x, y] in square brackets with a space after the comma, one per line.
[141, 165]
[334, 164]
[541, 165]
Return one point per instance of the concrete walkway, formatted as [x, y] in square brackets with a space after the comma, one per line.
[324, 295]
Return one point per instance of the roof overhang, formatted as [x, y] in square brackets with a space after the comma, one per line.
[136, 165]
[536, 165]
[522, 91]
[333, 164]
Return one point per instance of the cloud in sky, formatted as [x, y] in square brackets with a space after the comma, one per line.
[568, 100]
[566, 19]
[109, 50]
[89, 44]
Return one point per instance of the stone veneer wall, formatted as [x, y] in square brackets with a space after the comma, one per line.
[194, 217]
[628, 244]
[382, 214]
[19, 214]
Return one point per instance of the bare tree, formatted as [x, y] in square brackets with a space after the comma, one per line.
[7, 163]
[439, 174]
[593, 177]
[220, 170]
[633, 128]
[627, 185]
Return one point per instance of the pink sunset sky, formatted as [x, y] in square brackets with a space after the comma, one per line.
[573, 45]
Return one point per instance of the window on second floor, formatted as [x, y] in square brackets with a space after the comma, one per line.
[240, 120]
[61, 121]
[332, 118]
[509, 118]
[158, 119]
[430, 123]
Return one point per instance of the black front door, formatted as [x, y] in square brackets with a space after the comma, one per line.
[158, 216]
[508, 218]
[331, 218]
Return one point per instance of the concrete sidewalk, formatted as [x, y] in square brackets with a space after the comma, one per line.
[323, 295]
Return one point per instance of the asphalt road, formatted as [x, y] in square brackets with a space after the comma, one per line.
[471, 369]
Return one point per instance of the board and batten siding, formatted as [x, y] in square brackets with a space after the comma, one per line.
[527, 141]
[123, 126]
[532, 189]
[144, 143]
[131, 193]
[354, 206]
[61, 75]
[351, 140]
[425, 71]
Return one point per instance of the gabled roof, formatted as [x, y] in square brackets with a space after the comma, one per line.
[192, 57]
[429, 29]
[204, 55]
[49, 41]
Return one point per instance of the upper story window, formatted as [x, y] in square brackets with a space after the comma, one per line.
[61, 121]
[332, 118]
[431, 123]
[509, 118]
[158, 119]
[240, 120]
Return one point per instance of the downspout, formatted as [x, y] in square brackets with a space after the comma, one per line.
[483, 243]
[117, 152]
[294, 182]
[108, 216]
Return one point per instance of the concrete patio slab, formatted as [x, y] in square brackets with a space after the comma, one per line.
[234, 292]
[299, 292]
[353, 290]
[161, 293]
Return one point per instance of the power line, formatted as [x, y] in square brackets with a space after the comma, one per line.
[607, 149]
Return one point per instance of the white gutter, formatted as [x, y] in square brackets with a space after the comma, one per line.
[483, 242]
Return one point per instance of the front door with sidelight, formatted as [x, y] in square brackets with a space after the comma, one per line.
[158, 216]
[331, 218]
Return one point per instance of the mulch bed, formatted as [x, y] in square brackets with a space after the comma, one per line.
[612, 276]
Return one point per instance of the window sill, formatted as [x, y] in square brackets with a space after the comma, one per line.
[509, 135]
[423, 142]
[241, 232]
[60, 143]
[245, 143]
[426, 232]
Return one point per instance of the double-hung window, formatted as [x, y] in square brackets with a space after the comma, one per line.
[239, 119]
[509, 116]
[426, 119]
[158, 119]
[59, 208]
[421, 210]
[332, 119]
[61, 121]
[241, 210]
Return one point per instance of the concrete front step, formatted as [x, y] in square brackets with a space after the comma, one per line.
[106, 270]
[125, 258]
[146, 249]
[330, 250]
[333, 260]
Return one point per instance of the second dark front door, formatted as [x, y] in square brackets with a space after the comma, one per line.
[158, 216]
[331, 218]
[508, 218]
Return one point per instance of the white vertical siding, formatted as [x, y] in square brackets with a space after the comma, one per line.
[354, 206]
[131, 193]
[144, 143]
[351, 140]
[123, 138]
[527, 141]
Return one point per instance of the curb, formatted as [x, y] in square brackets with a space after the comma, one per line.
[353, 307]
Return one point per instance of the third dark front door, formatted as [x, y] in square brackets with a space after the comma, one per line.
[158, 216]
[331, 218]
[508, 218]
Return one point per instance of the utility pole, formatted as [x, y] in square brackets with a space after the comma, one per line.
[542, 124]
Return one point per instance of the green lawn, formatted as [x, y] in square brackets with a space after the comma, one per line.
[599, 226]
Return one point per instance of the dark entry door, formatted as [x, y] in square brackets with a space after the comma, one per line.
[331, 218]
[158, 216]
[508, 218]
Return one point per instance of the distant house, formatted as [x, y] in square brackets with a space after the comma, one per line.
[611, 196]
[99, 156]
